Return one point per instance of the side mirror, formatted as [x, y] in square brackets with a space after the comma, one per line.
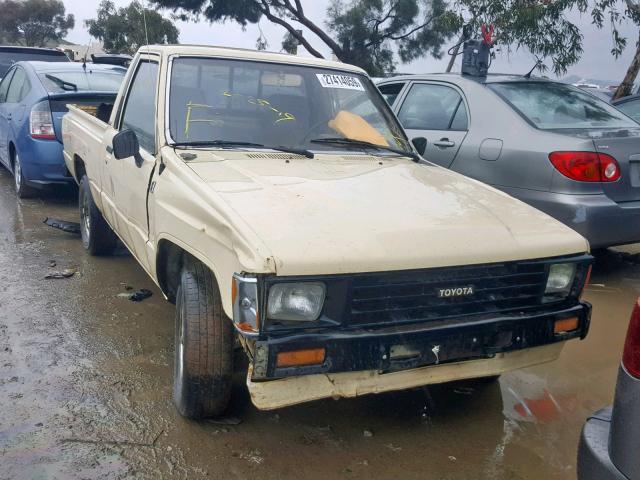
[125, 144]
[420, 143]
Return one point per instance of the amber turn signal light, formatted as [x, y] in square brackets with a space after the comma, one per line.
[566, 325]
[299, 358]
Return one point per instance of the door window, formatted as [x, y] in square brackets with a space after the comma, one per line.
[140, 109]
[631, 108]
[4, 86]
[19, 87]
[460, 120]
[391, 91]
[433, 107]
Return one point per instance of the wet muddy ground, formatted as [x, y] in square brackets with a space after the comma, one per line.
[85, 386]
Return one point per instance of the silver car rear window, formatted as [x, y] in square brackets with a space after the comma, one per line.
[552, 106]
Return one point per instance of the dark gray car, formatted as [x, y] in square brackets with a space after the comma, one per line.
[610, 438]
[549, 144]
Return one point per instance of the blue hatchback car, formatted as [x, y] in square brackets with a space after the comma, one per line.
[33, 100]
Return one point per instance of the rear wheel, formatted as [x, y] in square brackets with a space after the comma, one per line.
[97, 236]
[203, 359]
[22, 189]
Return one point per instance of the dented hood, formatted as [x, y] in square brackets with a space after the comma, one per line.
[345, 214]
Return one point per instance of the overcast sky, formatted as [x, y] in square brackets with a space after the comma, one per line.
[597, 61]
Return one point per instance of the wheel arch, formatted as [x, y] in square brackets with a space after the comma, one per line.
[170, 258]
[79, 168]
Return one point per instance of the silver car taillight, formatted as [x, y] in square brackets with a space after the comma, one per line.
[41, 122]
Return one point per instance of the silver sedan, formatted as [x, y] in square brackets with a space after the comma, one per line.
[549, 144]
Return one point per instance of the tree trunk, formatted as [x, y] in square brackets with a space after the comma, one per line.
[625, 87]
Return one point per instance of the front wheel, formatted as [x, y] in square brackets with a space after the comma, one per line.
[97, 236]
[203, 359]
[22, 189]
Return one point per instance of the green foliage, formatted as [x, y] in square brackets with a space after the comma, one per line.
[368, 33]
[376, 34]
[371, 31]
[33, 23]
[122, 30]
[543, 28]
[289, 44]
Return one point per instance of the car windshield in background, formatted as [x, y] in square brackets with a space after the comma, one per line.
[9, 58]
[278, 105]
[551, 106]
[79, 81]
[631, 108]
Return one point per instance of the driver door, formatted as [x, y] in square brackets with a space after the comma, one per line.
[131, 176]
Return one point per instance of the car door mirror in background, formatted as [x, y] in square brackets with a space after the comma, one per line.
[125, 144]
[420, 143]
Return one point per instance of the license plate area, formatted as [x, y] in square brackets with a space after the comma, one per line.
[448, 349]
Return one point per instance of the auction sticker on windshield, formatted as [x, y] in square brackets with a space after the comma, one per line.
[332, 80]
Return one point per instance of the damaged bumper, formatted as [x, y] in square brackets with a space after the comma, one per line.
[293, 390]
[405, 347]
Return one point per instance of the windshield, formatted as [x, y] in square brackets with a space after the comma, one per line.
[551, 106]
[277, 105]
[79, 81]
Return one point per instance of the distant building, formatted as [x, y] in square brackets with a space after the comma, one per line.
[78, 52]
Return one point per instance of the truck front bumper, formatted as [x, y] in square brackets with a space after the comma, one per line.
[395, 349]
[294, 390]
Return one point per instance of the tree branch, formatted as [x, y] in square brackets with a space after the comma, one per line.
[266, 11]
[301, 18]
[413, 30]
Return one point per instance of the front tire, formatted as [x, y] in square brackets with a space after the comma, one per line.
[97, 236]
[22, 189]
[203, 359]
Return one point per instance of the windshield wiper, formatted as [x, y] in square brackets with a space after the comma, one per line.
[68, 86]
[350, 142]
[231, 143]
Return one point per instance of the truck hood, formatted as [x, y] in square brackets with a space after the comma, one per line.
[358, 213]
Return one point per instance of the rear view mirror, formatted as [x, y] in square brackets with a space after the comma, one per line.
[281, 80]
[420, 144]
[125, 144]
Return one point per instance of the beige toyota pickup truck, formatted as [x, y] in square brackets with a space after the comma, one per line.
[276, 200]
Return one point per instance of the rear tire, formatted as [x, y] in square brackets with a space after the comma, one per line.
[97, 236]
[203, 359]
[22, 189]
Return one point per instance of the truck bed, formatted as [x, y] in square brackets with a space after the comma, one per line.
[83, 131]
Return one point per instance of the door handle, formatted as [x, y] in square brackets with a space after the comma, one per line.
[444, 143]
[109, 149]
[9, 116]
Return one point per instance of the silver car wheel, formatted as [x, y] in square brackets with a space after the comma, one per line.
[85, 219]
[179, 353]
[17, 173]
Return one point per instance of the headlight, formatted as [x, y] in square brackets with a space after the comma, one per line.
[295, 301]
[560, 279]
[244, 295]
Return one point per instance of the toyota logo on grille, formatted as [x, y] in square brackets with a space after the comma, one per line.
[455, 292]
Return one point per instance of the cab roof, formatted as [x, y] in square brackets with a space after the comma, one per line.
[246, 54]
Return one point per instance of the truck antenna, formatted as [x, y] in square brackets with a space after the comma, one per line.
[144, 20]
